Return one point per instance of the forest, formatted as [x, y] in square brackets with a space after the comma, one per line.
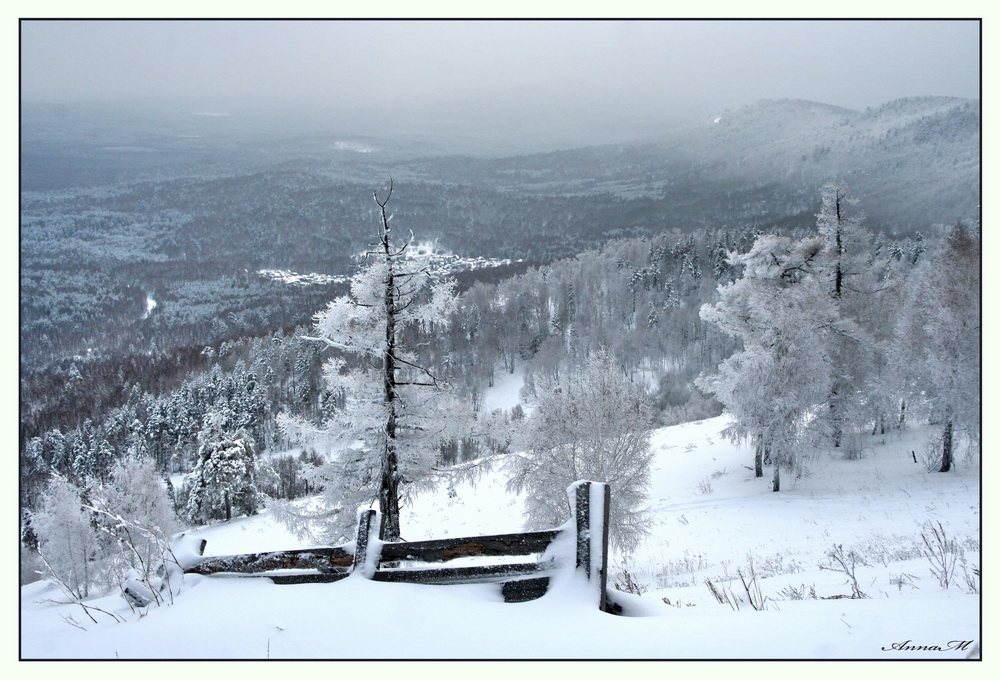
[816, 291]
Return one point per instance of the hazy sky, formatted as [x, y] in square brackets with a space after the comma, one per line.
[640, 68]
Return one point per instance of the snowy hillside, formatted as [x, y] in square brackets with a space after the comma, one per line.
[714, 522]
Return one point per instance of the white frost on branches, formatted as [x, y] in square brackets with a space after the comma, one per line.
[782, 314]
[593, 427]
[68, 542]
[111, 535]
[390, 411]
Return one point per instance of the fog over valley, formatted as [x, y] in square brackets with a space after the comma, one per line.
[553, 83]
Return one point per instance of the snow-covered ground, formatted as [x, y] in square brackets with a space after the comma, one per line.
[505, 393]
[713, 521]
[441, 263]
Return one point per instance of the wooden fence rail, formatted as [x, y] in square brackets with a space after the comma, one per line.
[586, 538]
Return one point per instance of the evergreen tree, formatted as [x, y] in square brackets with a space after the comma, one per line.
[225, 480]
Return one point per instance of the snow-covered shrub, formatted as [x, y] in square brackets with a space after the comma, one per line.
[70, 546]
[800, 593]
[595, 426]
[751, 586]
[135, 514]
[628, 583]
[846, 563]
[106, 535]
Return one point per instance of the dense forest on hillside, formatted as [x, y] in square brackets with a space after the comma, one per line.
[640, 298]
[144, 308]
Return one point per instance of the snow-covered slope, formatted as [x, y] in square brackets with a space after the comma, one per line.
[713, 521]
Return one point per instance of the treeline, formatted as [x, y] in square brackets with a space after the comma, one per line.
[638, 298]
[223, 315]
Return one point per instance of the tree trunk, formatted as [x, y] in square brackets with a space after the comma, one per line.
[758, 461]
[838, 276]
[389, 488]
[389, 495]
[879, 426]
[834, 415]
[946, 447]
[776, 484]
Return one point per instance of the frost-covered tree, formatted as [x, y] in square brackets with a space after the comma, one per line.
[69, 543]
[594, 426]
[851, 277]
[226, 476]
[782, 314]
[939, 339]
[135, 512]
[842, 235]
[391, 412]
[95, 536]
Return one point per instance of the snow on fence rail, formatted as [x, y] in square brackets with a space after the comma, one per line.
[584, 536]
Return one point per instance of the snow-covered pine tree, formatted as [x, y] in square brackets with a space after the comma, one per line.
[226, 477]
[384, 438]
[593, 426]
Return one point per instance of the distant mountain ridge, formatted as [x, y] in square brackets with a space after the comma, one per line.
[912, 162]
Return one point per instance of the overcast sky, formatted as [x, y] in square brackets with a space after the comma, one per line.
[639, 68]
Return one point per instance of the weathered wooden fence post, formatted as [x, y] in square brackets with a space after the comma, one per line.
[371, 558]
[592, 504]
[365, 553]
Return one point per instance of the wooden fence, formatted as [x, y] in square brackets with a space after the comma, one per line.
[580, 544]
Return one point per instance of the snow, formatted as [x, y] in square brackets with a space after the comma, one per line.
[713, 518]
[441, 263]
[355, 147]
[297, 279]
[505, 393]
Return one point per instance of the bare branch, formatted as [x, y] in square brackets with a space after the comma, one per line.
[382, 204]
[419, 368]
[404, 247]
